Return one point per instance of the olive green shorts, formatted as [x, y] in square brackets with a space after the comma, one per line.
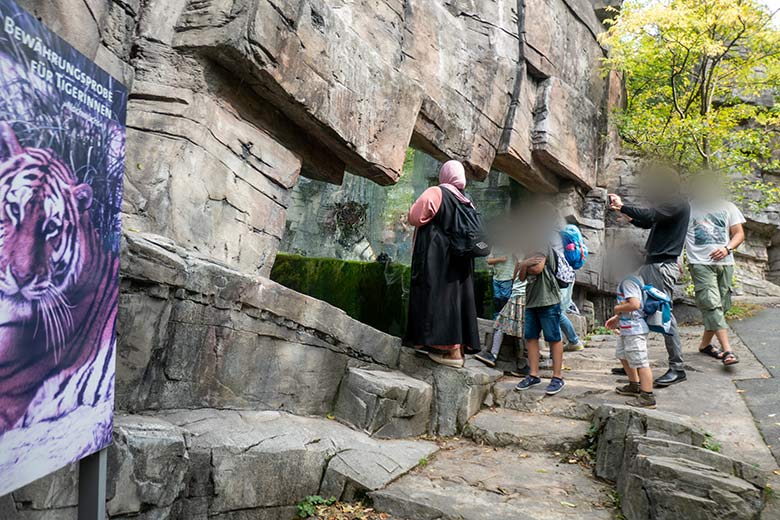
[713, 293]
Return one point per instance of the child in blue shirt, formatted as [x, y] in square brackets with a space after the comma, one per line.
[632, 343]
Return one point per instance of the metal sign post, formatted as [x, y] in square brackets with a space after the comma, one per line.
[92, 486]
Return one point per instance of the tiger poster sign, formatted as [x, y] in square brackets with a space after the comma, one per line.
[62, 147]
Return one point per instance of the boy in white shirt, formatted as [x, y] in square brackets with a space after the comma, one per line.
[631, 348]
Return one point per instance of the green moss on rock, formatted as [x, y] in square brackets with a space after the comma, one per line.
[370, 292]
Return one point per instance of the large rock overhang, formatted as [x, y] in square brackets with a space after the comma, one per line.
[455, 80]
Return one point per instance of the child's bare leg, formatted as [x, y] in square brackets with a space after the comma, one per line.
[633, 377]
[532, 348]
[645, 379]
[556, 352]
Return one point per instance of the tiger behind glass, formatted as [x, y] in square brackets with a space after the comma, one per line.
[58, 289]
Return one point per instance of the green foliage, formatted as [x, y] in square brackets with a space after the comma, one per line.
[308, 506]
[770, 494]
[697, 74]
[601, 330]
[616, 502]
[686, 279]
[711, 444]
[401, 196]
[742, 310]
[423, 462]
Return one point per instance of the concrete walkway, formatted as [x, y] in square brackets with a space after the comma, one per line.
[762, 395]
[519, 463]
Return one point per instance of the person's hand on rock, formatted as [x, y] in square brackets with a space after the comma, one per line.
[615, 202]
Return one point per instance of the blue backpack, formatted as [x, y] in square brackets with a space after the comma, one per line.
[656, 307]
[574, 249]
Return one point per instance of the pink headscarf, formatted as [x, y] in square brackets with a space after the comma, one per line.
[452, 176]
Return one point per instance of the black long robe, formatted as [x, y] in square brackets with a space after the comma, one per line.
[442, 309]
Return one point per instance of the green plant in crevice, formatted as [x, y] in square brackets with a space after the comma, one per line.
[308, 506]
[616, 501]
[742, 310]
[711, 444]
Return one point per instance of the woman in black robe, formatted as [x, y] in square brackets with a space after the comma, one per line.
[442, 309]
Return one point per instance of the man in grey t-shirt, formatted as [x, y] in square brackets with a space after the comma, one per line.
[715, 230]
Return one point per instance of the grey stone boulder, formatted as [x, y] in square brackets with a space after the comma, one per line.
[58, 490]
[384, 404]
[614, 423]
[459, 392]
[663, 472]
[664, 488]
[147, 465]
[202, 335]
[648, 446]
[262, 461]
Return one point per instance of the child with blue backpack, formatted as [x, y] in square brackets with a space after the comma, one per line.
[630, 320]
[575, 252]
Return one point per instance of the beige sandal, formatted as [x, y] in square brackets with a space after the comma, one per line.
[449, 362]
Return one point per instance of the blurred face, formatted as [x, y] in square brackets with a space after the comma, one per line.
[660, 184]
[707, 187]
[623, 261]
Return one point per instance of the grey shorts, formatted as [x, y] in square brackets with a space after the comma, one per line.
[634, 350]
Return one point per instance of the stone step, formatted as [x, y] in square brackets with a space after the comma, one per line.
[470, 482]
[583, 394]
[502, 427]
[206, 462]
[384, 404]
[458, 392]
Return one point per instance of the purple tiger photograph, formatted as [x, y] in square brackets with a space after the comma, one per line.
[62, 147]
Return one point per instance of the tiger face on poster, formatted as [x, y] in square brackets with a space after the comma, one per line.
[62, 145]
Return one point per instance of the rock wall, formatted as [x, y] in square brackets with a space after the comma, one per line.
[231, 101]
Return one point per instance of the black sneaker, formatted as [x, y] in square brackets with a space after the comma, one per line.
[671, 377]
[487, 358]
[521, 372]
[620, 371]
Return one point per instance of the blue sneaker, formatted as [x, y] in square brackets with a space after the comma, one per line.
[487, 358]
[555, 386]
[528, 382]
